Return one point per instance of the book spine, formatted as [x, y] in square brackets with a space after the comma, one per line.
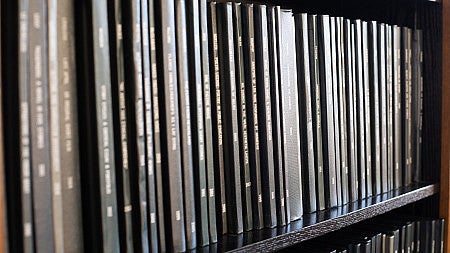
[242, 114]
[342, 111]
[137, 119]
[40, 128]
[398, 161]
[390, 114]
[208, 122]
[418, 105]
[229, 116]
[326, 81]
[405, 64]
[158, 218]
[273, 15]
[374, 108]
[150, 222]
[120, 121]
[252, 113]
[306, 125]
[53, 125]
[360, 112]
[68, 127]
[334, 59]
[290, 104]
[221, 205]
[367, 126]
[351, 148]
[382, 104]
[171, 147]
[409, 109]
[188, 136]
[317, 118]
[265, 114]
[104, 129]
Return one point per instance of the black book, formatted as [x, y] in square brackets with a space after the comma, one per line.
[342, 110]
[337, 145]
[230, 117]
[248, 39]
[273, 19]
[40, 128]
[354, 102]
[190, 111]
[69, 146]
[97, 160]
[366, 107]
[136, 120]
[405, 55]
[151, 223]
[316, 109]
[171, 158]
[209, 152]
[327, 104]
[349, 90]
[360, 115]
[290, 123]
[389, 107]
[440, 234]
[265, 114]
[246, 184]
[396, 72]
[374, 108]
[158, 238]
[121, 144]
[381, 48]
[416, 111]
[219, 167]
[305, 115]
[15, 132]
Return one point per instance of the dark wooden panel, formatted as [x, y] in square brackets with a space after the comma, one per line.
[320, 223]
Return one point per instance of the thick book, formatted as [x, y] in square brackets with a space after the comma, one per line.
[248, 40]
[374, 108]
[305, 113]
[389, 108]
[290, 121]
[206, 84]
[416, 111]
[41, 170]
[246, 184]
[134, 84]
[273, 17]
[366, 107]
[349, 92]
[337, 145]
[381, 47]
[229, 117]
[169, 118]
[396, 72]
[16, 130]
[216, 98]
[265, 114]
[150, 156]
[97, 161]
[314, 68]
[405, 55]
[68, 129]
[341, 79]
[327, 105]
[158, 241]
[190, 131]
[360, 115]
[121, 144]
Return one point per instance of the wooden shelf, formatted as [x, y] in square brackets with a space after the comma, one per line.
[322, 222]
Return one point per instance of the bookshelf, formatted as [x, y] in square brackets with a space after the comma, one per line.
[429, 198]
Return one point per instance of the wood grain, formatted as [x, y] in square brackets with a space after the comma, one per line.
[445, 136]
